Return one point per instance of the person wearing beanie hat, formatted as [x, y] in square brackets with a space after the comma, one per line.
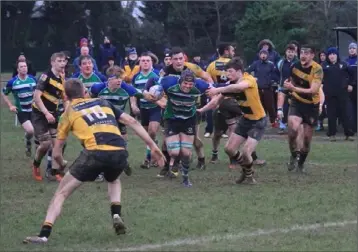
[336, 87]
[352, 69]
[130, 65]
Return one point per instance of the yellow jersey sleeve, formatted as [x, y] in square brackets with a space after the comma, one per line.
[64, 126]
[317, 74]
[195, 69]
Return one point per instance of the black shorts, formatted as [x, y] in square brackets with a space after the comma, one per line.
[91, 163]
[308, 112]
[251, 128]
[230, 108]
[122, 128]
[41, 125]
[150, 115]
[23, 116]
[175, 126]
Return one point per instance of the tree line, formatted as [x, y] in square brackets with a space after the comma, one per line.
[195, 26]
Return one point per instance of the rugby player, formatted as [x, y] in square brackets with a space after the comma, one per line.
[180, 118]
[150, 113]
[87, 75]
[175, 69]
[95, 123]
[48, 93]
[251, 125]
[22, 87]
[303, 86]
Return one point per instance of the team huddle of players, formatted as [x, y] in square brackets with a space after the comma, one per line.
[93, 110]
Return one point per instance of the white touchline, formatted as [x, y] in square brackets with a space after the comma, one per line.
[260, 232]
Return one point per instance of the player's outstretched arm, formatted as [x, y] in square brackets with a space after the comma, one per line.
[143, 134]
[214, 102]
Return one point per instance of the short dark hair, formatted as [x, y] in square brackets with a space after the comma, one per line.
[74, 88]
[83, 57]
[235, 63]
[222, 47]
[309, 46]
[290, 47]
[18, 61]
[176, 50]
[56, 55]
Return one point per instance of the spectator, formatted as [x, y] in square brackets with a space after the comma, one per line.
[284, 70]
[352, 68]
[297, 47]
[322, 57]
[335, 88]
[265, 73]
[107, 50]
[267, 45]
[84, 52]
[167, 59]
[130, 64]
[110, 63]
[83, 42]
[30, 67]
[198, 61]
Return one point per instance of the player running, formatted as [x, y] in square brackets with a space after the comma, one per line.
[304, 88]
[95, 123]
[175, 69]
[87, 75]
[180, 118]
[48, 93]
[251, 125]
[150, 113]
[22, 87]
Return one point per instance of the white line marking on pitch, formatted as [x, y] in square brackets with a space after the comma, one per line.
[260, 232]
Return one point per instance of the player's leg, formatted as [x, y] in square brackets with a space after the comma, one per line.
[220, 128]
[186, 148]
[231, 127]
[199, 148]
[66, 187]
[144, 118]
[255, 134]
[294, 122]
[42, 134]
[154, 126]
[25, 120]
[173, 147]
[123, 129]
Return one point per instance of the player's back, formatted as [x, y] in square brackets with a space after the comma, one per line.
[94, 123]
[249, 100]
[217, 71]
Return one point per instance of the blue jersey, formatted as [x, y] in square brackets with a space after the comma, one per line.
[181, 105]
[117, 97]
[94, 78]
[22, 90]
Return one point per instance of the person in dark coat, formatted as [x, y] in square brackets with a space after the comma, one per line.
[322, 57]
[336, 81]
[106, 50]
[352, 69]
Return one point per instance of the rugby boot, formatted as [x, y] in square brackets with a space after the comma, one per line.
[186, 182]
[292, 164]
[243, 179]
[128, 170]
[173, 172]
[36, 173]
[35, 240]
[201, 165]
[118, 225]
[214, 159]
[233, 164]
[301, 169]
[163, 172]
[145, 165]
[28, 151]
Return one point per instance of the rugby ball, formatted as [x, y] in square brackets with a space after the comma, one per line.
[157, 92]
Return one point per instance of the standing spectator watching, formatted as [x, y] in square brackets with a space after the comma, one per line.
[352, 68]
[197, 61]
[106, 50]
[265, 73]
[83, 42]
[267, 45]
[130, 65]
[30, 67]
[110, 63]
[322, 57]
[84, 52]
[284, 69]
[297, 47]
[336, 87]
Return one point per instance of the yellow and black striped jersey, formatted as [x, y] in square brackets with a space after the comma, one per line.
[94, 122]
[217, 71]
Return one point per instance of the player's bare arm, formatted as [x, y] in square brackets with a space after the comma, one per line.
[8, 102]
[214, 102]
[314, 89]
[57, 152]
[134, 106]
[162, 102]
[233, 88]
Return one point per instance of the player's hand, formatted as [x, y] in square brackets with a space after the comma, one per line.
[13, 109]
[350, 88]
[212, 91]
[288, 84]
[162, 103]
[280, 114]
[199, 111]
[50, 118]
[148, 96]
[135, 110]
[320, 109]
[157, 155]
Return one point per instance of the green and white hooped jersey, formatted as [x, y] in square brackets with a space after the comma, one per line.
[139, 81]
